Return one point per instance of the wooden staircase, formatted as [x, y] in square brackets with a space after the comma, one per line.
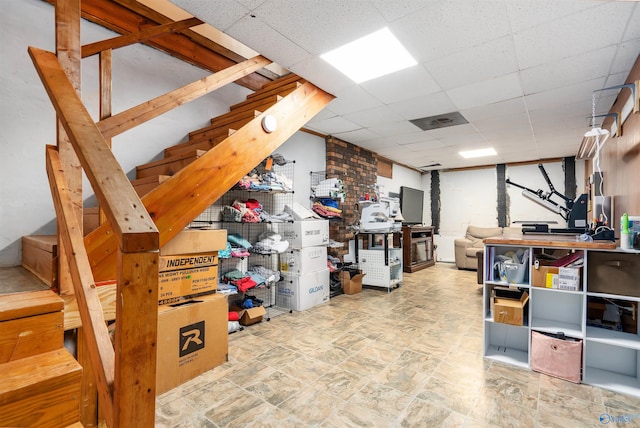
[200, 141]
[214, 158]
[40, 379]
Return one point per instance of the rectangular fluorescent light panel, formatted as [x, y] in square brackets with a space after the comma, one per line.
[371, 56]
[478, 153]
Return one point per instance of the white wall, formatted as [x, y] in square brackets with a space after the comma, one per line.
[470, 198]
[309, 152]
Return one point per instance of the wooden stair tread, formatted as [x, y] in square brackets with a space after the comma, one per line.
[46, 372]
[216, 130]
[282, 91]
[187, 146]
[169, 165]
[291, 77]
[17, 279]
[232, 116]
[256, 104]
[44, 242]
[26, 304]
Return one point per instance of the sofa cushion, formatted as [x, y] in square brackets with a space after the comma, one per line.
[477, 234]
[472, 252]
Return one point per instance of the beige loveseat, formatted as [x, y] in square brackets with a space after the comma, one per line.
[468, 247]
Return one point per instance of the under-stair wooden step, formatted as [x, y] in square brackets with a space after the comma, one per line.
[40, 391]
[142, 186]
[260, 104]
[40, 257]
[189, 146]
[283, 91]
[215, 132]
[31, 323]
[167, 166]
[233, 116]
[212, 130]
[291, 77]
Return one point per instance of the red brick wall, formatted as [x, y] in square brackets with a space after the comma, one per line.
[357, 168]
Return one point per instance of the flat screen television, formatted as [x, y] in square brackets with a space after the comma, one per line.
[411, 203]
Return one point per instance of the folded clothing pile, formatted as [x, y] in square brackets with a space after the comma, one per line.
[270, 242]
[327, 208]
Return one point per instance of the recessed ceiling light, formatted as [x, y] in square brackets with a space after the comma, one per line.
[478, 153]
[371, 56]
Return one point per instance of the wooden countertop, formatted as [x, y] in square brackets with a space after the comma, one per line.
[549, 241]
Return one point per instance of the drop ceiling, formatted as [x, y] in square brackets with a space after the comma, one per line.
[521, 72]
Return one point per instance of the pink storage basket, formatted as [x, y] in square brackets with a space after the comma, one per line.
[558, 357]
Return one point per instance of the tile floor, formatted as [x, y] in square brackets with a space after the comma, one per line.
[409, 358]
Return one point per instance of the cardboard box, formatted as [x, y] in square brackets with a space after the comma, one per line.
[309, 233]
[543, 275]
[351, 284]
[187, 275]
[301, 261]
[509, 305]
[192, 338]
[302, 292]
[249, 316]
[194, 241]
[40, 257]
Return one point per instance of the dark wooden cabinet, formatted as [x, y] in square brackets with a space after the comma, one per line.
[417, 249]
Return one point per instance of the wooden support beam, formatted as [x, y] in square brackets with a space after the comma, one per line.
[105, 70]
[134, 116]
[127, 216]
[95, 329]
[135, 340]
[181, 198]
[67, 25]
[129, 39]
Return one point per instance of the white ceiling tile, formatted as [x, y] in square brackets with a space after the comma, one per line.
[626, 55]
[318, 28]
[357, 136]
[423, 145]
[259, 36]
[452, 131]
[411, 82]
[353, 99]
[392, 10]
[486, 92]
[397, 129]
[584, 31]
[498, 110]
[321, 74]
[374, 116]
[524, 15]
[220, 14]
[418, 107]
[335, 125]
[485, 61]
[633, 29]
[569, 94]
[568, 71]
[445, 27]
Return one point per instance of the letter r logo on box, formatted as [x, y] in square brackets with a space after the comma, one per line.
[191, 338]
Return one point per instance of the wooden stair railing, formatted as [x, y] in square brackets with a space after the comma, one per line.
[126, 375]
[182, 197]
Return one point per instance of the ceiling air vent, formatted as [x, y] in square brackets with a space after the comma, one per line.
[439, 121]
[431, 166]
